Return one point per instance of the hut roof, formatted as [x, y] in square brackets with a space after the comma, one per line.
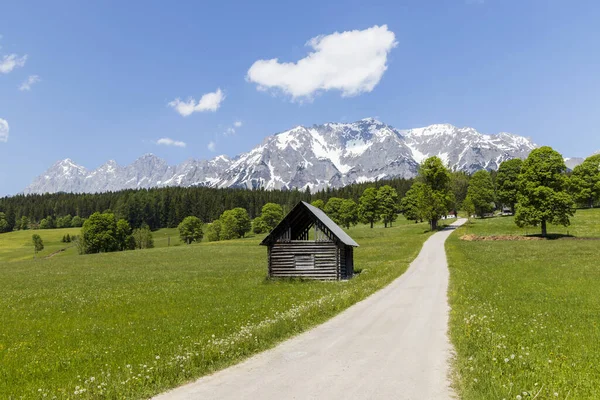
[305, 214]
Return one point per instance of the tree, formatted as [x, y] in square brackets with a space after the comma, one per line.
[332, 209]
[259, 226]
[585, 182]
[44, 224]
[368, 207]
[213, 231]
[481, 192]
[435, 197]
[459, 185]
[348, 213]
[387, 199]
[24, 223]
[235, 223]
[143, 237]
[542, 196]
[468, 207]
[318, 203]
[409, 205]
[64, 222]
[99, 233]
[123, 236]
[507, 182]
[190, 230]
[68, 238]
[77, 222]
[271, 214]
[38, 243]
[3, 223]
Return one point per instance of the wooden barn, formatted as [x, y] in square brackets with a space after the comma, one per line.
[308, 244]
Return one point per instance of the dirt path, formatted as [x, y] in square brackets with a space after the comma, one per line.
[392, 345]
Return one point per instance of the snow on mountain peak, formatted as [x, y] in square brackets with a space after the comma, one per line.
[331, 154]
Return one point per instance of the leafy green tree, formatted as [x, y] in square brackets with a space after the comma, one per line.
[64, 222]
[507, 182]
[24, 223]
[235, 223]
[543, 196]
[77, 222]
[332, 209]
[585, 182]
[320, 204]
[190, 230]
[143, 237]
[271, 214]
[435, 197]
[44, 224]
[481, 192]
[213, 231]
[459, 185]
[38, 243]
[68, 238]
[348, 213]
[99, 233]
[468, 207]
[123, 235]
[409, 205]
[3, 223]
[387, 199]
[259, 226]
[368, 207]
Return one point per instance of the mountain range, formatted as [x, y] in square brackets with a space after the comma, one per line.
[331, 154]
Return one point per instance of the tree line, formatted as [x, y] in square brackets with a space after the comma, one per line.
[163, 207]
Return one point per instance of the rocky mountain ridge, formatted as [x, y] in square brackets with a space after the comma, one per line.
[331, 154]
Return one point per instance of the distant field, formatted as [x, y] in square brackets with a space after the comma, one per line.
[16, 246]
[131, 324]
[525, 315]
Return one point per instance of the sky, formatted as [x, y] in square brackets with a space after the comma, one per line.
[94, 81]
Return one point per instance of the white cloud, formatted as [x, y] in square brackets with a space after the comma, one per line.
[31, 80]
[4, 130]
[237, 124]
[352, 62]
[230, 131]
[170, 142]
[212, 146]
[10, 62]
[208, 102]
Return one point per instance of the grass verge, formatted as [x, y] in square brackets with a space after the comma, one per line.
[524, 319]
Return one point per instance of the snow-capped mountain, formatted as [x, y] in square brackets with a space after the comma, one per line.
[331, 154]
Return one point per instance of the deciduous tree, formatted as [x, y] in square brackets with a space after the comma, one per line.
[543, 196]
[435, 197]
[481, 192]
[507, 182]
[368, 207]
[585, 182]
[190, 230]
[235, 223]
[387, 199]
[348, 213]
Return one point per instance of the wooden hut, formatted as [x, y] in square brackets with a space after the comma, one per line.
[308, 244]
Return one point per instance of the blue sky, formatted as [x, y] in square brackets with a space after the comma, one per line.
[102, 74]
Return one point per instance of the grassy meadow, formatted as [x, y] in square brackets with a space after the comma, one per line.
[134, 323]
[17, 246]
[525, 319]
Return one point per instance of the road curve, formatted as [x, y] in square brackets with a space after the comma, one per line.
[392, 345]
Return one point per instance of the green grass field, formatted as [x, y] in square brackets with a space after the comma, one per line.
[132, 324]
[17, 246]
[525, 317]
